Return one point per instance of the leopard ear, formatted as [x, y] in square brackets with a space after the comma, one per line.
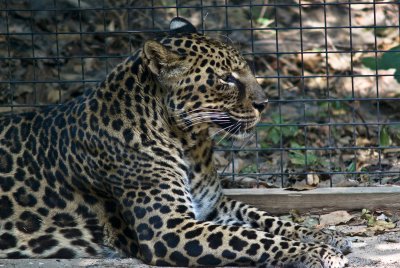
[163, 62]
[181, 25]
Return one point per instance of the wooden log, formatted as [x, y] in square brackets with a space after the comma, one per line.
[319, 200]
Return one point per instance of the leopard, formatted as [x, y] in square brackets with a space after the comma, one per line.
[126, 169]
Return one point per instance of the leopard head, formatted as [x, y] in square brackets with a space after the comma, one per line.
[208, 85]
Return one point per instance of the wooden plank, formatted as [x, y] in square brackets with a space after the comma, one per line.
[319, 200]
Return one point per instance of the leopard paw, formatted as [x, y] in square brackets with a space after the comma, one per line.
[329, 237]
[320, 257]
[335, 239]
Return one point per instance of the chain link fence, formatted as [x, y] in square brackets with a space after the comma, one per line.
[331, 71]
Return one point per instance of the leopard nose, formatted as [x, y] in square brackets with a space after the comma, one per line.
[260, 105]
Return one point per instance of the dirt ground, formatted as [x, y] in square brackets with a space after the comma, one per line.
[378, 251]
[381, 251]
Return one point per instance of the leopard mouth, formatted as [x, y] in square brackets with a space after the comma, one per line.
[234, 126]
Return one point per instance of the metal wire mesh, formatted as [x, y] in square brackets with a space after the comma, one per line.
[330, 69]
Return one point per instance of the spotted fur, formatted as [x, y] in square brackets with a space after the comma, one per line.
[126, 169]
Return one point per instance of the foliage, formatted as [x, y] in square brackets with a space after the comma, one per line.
[385, 139]
[389, 60]
[303, 157]
[276, 131]
[252, 168]
[351, 167]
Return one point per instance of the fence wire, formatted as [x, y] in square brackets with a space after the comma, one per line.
[330, 70]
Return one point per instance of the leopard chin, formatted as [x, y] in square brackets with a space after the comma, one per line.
[236, 131]
[236, 128]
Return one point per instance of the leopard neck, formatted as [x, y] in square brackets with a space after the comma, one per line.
[129, 107]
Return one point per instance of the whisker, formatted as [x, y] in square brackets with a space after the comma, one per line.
[190, 117]
[227, 165]
[246, 141]
[228, 129]
[202, 109]
[191, 124]
[216, 133]
[203, 119]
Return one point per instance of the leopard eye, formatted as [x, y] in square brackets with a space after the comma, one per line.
[228, 79]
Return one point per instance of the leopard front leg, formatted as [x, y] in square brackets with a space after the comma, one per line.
[234, 212]
[168, 234]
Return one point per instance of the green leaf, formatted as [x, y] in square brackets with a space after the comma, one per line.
[397, 74]
[312, 159]
[264, 21]
[289, 131]
[275, 135]
[390, 59]
[385, 139]
[337, 105]
[323, 104]
[249, 169]
[369, 62]
[351, 167]
[297, 158]
[277, 119]
[264, 145]
[294, 144]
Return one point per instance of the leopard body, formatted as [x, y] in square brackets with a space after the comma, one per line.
[126, 169]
